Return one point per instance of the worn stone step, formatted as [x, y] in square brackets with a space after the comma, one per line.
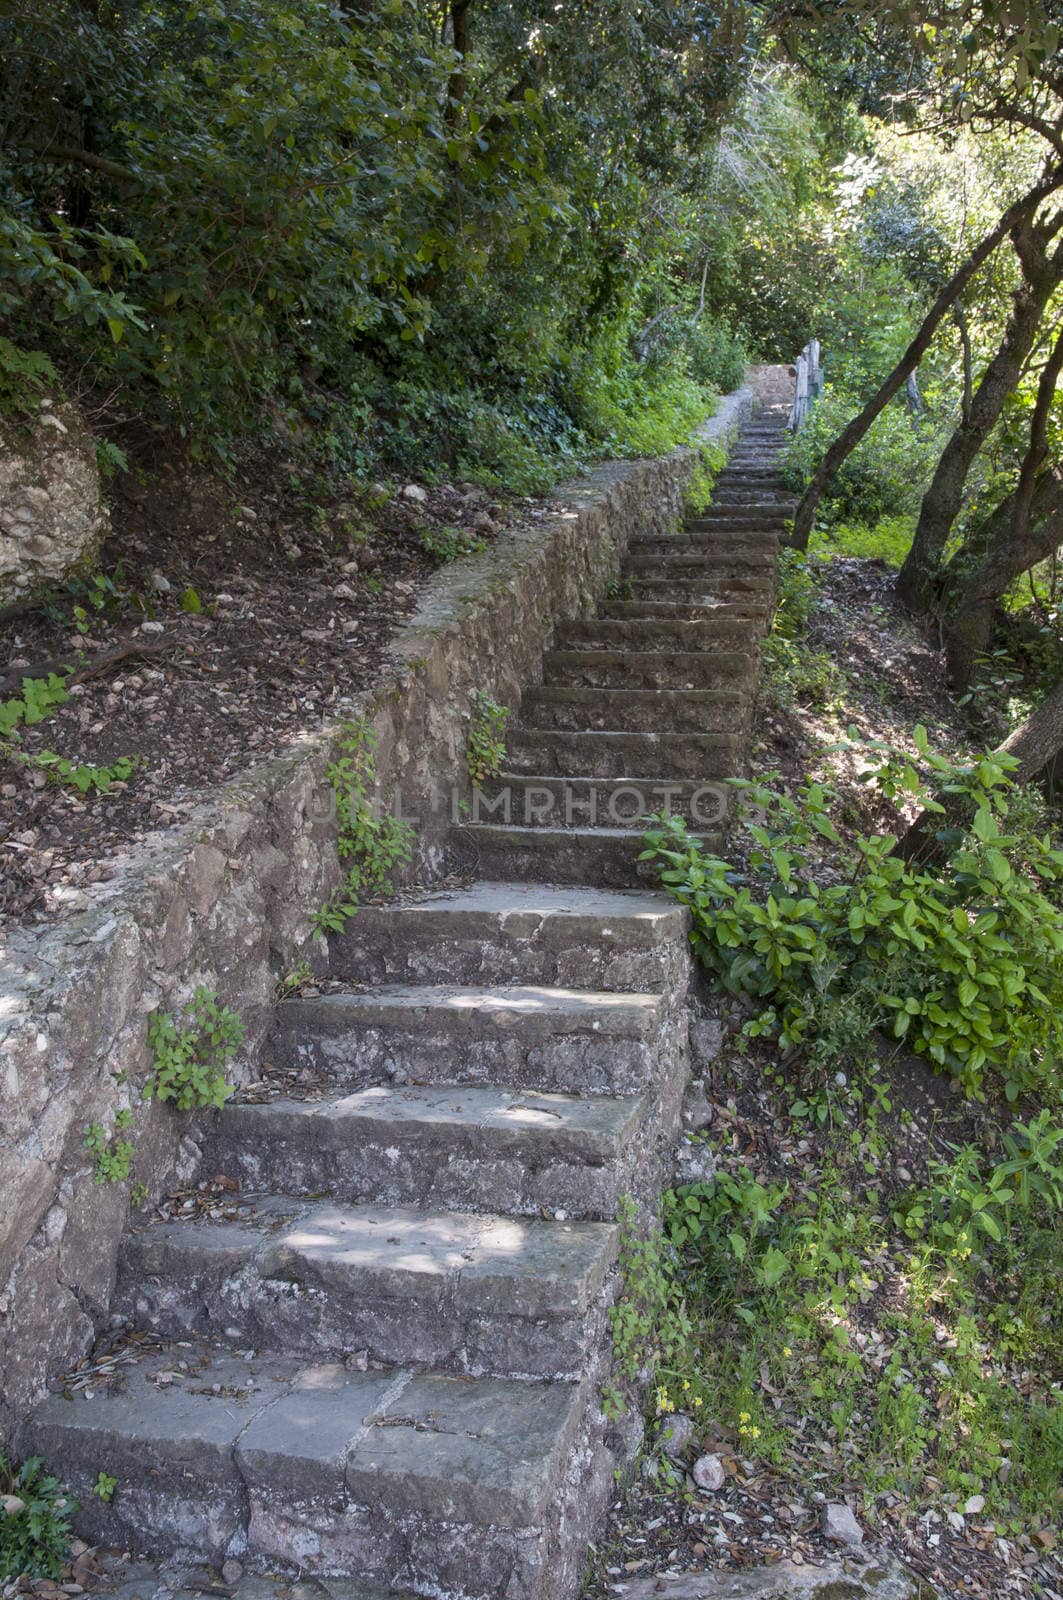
[731, 636]
[700, 757]
[554, 802]
[708, 562]
[540, 1038]
[456, 1291]
[753, 613]
[712, 541]
[637, 710]
[648, 669]
[512, 1151]
[749, 514]
[483, 1489]
[734, 497]
[759, 586]
[558, 855]
[497, 933]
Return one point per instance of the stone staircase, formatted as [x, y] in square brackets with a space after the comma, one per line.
[382, 1361]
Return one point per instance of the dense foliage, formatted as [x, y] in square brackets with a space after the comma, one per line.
[412, 232]
[961, 959]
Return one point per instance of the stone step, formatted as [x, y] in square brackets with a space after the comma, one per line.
[558, 855]
[755, 615]
[487, 1295]
[552, 802]
[707, 562]
[701, 757]
[637, 710]
[423, 1481]
[525, 1036]
[734, 497]
[498, 933]
[759, 543]
[512, 1151]
[732, 636]
[648, 669]
[749, 514]
[753, 595]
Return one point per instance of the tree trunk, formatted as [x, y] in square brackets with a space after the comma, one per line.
[1024, 530]
[943, 499]
[851, 435]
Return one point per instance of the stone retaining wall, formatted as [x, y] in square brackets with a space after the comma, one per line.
[225, 902]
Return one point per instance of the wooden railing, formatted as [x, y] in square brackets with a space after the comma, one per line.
[808, 386]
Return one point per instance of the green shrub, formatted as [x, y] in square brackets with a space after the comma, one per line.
[188, 1062]
[964, 964]
[884, 477]
[718, 357]
[35, 1518]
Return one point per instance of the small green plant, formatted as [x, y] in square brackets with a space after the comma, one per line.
[112, 1158]
[372, 844]
[24, 376]
[139, 1195]
[110, 459]
[651, 1326]
[104, 1487]
[697, 495]
[39, 698]
[188, 1063]
[35, 1515]
[81, 776]
[487, 744]
[450, 544]
[293, 981]
[619, 589]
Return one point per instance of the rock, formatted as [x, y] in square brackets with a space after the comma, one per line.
[10, 1504]
[695, 1162]
[675, 1434]
[232, 1571]
[698, 1113]
[840, 1524]
[974, 1506]
[861, 1575]
[52, 516]
[413, 491]
[708, 1473]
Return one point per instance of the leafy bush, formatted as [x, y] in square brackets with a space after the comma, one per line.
[964, 964]
[188, 1063]
[35, 1518]
[717, 357]
[884, 477]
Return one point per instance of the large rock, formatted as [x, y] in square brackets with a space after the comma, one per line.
[52, 518]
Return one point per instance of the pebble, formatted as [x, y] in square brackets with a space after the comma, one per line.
[232, 1571]
[974, 1505]
[840, 1524]
[413, 491]
[708, 1473]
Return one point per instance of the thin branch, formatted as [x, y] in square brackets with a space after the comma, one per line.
[73, 155]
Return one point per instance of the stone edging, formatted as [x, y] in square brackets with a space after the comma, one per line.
[225, 901]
